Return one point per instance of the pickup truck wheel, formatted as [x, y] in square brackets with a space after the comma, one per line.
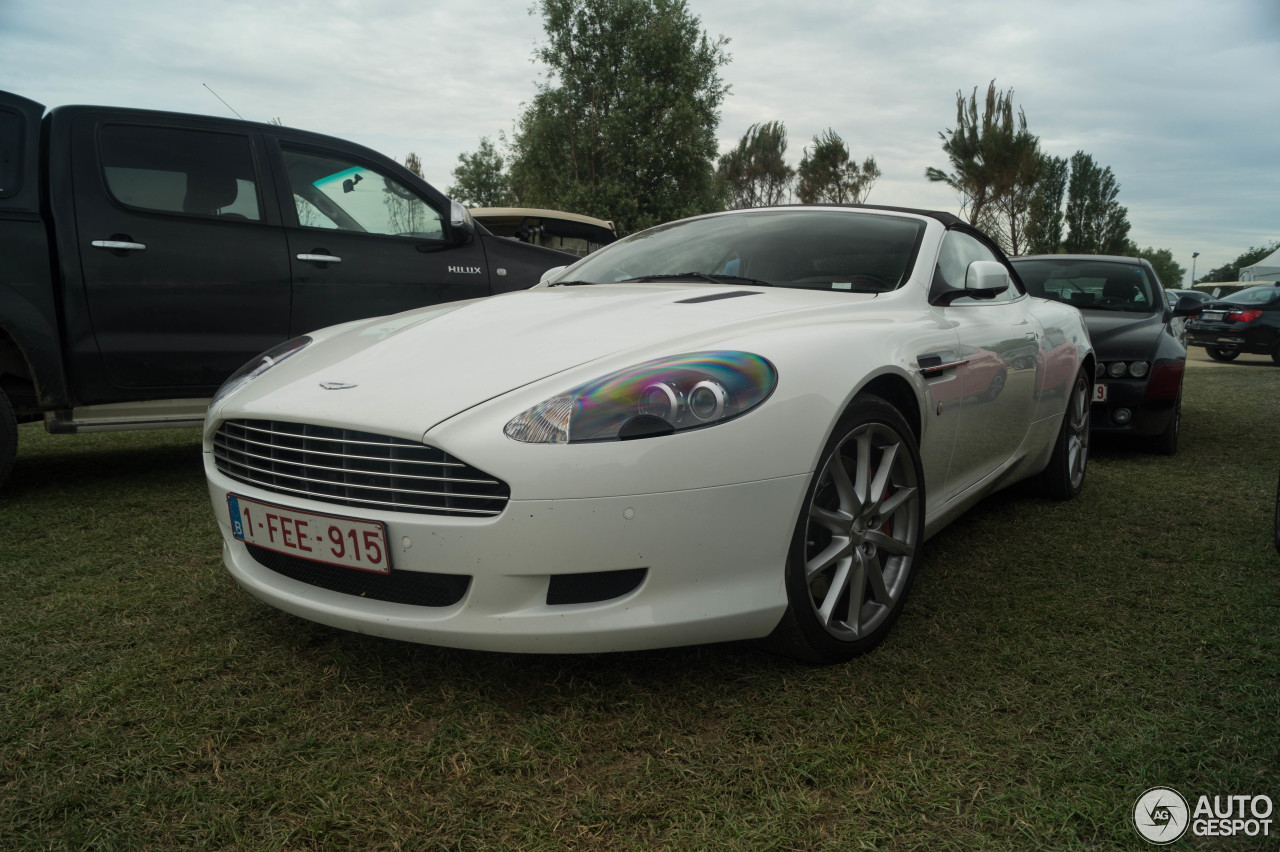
[8, 438]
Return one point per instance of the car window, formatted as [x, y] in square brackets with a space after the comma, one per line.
[815, 250]
[1091, 284]
[957, 252]
[1256, 295]
[333, 193]
[193, 172]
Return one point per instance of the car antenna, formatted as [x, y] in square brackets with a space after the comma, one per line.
[224, 103]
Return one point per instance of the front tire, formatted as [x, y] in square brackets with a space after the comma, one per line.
[8, 438]
[1223, 353]
[857, 541]
[1167, 441]
[1063, 478]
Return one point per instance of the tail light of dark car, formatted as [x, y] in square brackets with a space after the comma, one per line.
[1244, 315]
[1166, 379]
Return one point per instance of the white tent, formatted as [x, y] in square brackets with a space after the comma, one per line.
[1267, 269]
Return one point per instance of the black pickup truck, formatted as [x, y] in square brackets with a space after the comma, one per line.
[144, 256]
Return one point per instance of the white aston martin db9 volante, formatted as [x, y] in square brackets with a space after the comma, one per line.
[736, 426]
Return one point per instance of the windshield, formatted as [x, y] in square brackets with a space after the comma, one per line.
[808, 249]
[1091, 284]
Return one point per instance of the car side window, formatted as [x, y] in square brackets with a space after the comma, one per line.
[958, 251]
[192, 172]
[334, 193]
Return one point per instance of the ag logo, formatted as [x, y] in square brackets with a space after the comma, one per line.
[1161, 815]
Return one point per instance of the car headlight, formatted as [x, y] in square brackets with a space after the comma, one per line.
[1138, 369]
[1115, 370]
[654, 398]
[258, 366]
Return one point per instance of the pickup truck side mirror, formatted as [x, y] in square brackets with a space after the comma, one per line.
[461, 226]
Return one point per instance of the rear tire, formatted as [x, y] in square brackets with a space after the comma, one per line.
[8, 438]
[857, 541]
[1223, 353]
[1167, 441]
[1275, 353]
[1063, 478]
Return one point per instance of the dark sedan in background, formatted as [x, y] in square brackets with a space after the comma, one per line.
[1137, 386]
[1245, 321]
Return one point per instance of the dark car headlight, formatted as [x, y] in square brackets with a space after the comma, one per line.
[657, 397]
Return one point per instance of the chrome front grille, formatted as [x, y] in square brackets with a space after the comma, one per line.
[352, 468]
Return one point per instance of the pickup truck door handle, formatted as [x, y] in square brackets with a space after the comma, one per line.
[320, 258]
[118, 245]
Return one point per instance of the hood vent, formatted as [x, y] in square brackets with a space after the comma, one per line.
[715, 297]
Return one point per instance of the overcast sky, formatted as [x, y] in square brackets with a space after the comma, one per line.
[1179, 97]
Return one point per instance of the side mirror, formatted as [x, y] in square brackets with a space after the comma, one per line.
[461, 225]
[550, 274]
[986, 278]
[1188, 306]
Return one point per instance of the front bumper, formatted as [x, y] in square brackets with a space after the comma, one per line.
[1145, 416]
[712, 561]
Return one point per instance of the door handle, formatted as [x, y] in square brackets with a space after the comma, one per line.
[320, 258]
[932, 366]
[118, 245]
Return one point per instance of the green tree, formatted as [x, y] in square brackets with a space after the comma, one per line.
[1231, 271]
[413, 163]
[1044, 218]
[1169, 270]
[479, 179]
[1096, 222]
[624, 125]
[756, 174]
[992, 157]
[828, 175]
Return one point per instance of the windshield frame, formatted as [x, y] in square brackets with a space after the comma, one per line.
[860, 252]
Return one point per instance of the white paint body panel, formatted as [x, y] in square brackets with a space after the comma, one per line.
[712, 510]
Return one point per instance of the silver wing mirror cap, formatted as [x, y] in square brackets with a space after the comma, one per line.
[986, 278]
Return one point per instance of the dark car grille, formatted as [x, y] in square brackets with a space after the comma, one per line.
[416, 588]
[352, 468]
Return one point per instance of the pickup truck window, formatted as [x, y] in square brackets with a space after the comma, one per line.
[10, 153]
[180, 171]
[333, 193]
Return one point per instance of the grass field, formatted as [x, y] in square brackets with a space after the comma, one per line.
[1053, 662]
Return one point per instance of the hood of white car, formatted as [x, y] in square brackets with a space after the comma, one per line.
[404, 373]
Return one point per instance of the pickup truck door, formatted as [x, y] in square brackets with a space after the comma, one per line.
[184, 266]
[366, 238]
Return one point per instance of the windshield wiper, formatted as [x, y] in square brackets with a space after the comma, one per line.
[698, 276]
[571, 283]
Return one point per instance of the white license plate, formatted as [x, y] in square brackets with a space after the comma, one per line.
[330, 539]
[1213, 315]
[1099, 392]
